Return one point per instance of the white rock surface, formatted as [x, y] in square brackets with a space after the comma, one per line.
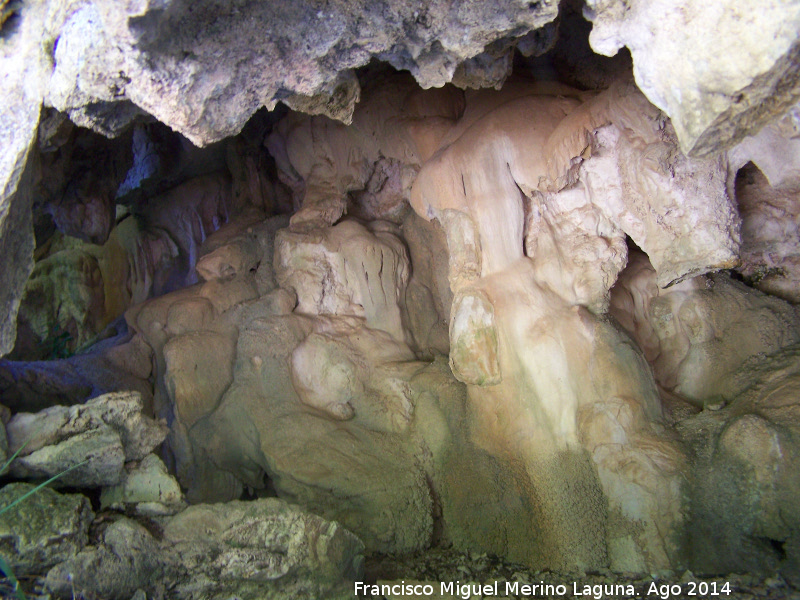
[346, 270]
[770, 214]
[775, 150]
[286, 396]
[720, 70]
[625, 155]
[540, 242]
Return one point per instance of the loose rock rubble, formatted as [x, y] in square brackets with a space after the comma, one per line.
[447, 565]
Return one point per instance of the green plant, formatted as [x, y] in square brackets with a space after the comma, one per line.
[4, 566]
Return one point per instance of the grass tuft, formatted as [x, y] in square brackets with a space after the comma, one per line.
[4, 566]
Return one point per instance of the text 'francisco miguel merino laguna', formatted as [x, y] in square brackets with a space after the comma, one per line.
[516, 588]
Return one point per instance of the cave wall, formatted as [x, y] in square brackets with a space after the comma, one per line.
[203, 69]
[520, 320]
[456, 338]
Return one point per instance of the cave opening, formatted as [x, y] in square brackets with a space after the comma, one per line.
[485, 315]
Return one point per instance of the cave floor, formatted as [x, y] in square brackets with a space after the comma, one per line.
[446, 565]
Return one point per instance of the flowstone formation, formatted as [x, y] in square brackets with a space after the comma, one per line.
[535, 188]
[204, 69]
[728, 387]
[540, 322]
[543, 437]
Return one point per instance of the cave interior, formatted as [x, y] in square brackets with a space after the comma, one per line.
[497, 304]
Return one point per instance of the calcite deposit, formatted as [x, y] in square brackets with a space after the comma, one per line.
[546, 315]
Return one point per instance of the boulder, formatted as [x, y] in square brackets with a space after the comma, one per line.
[124, 559]
[100, 435]
[240, 548]
[249, 550]
[147, 486]
[43, 530]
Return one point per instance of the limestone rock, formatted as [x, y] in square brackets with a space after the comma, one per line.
[649, 190]
[653, 193]
[242, 547]
[227, 261]
[743, 484]
[384, 196]
[101, 449]
[329, 373]
[140, 65]
[428, 295]
[82, 44]
[767, 188]
[125, 558]
[243, 246]
[346, 270]
[81, 172]
[189, 213]
[22, 87]
[63, 308]
[335, 100]
[324, 380]
[76, 291]
[774, 150]
[17, 248]
[396, 127]
[718, 83]
[770, 256]
[281, 401]
[510, 216]
[698, 334]
[195, 378]
[543, 344]
[643, 478]
[534, 243]
[473, 339]
[148, 486]
[105, 432]
[578, 267]
[264, 548]
[33, 386]
[42, 530]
